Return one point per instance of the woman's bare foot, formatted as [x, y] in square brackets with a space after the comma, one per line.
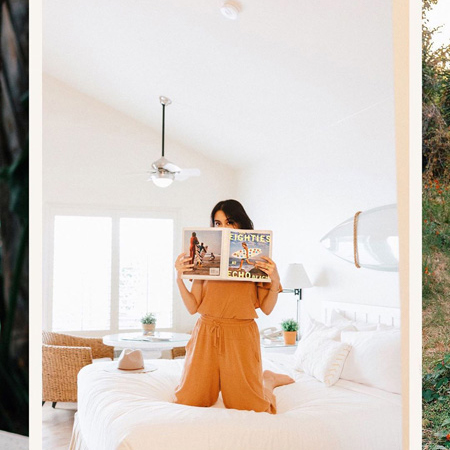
[273, 380]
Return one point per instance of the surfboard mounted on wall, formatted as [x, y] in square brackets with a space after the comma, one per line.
[376, 239]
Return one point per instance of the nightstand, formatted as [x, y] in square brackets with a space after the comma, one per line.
[278, 346]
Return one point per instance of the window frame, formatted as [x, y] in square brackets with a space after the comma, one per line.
[115, 213]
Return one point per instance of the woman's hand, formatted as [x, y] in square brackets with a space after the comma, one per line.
[269, 267]
[182, 264]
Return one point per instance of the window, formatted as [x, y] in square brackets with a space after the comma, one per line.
[109, 270]
[82, 273]
[145, 284]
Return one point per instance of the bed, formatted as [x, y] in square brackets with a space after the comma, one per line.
[135, 411]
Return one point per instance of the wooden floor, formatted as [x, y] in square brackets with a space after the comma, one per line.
[57, 425]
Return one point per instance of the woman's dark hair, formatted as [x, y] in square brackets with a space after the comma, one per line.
[234, 211]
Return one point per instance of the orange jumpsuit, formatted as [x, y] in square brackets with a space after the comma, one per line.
[224, 352]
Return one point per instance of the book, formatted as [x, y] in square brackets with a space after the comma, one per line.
[226, 253]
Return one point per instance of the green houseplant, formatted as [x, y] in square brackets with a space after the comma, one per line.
[148, 323]
[290, 327]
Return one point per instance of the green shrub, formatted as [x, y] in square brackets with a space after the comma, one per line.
[436, 384]
[436, 397]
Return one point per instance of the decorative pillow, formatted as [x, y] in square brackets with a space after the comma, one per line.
[321, 357]
[374, 359]
[338, 320]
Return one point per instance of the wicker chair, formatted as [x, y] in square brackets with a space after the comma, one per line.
[63, 356]
[178, 352]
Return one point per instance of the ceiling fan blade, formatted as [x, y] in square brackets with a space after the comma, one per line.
[171, 167]
[184, 174]
[142, 172]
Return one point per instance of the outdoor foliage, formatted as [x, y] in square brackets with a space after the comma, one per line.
[14, 293]
[435, 101]
[436, 395]
[436, 384]
[435, 238]
[436, 313]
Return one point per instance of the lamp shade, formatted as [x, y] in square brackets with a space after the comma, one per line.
[296, 277]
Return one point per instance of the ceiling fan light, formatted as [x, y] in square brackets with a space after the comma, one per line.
[162, 179]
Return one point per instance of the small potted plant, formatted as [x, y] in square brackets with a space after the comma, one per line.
[290, 327]
[148, 323]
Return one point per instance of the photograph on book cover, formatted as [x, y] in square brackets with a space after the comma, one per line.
[204, 246]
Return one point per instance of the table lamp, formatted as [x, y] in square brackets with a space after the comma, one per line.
[296, 279]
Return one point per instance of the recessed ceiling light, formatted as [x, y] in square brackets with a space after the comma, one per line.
[230, 10]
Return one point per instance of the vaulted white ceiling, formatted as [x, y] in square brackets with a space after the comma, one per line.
[258, 86]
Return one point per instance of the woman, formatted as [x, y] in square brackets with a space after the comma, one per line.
[224, 353]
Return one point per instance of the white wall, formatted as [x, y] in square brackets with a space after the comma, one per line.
[348, 167]
[93, 155]
[96, 156]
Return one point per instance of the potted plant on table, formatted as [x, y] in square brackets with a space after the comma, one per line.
[290, 327]
[148, 323]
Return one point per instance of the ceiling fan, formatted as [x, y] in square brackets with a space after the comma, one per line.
[164, 172]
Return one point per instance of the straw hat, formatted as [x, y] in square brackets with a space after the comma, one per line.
[132, 361]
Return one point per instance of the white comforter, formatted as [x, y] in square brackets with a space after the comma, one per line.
[135, 412]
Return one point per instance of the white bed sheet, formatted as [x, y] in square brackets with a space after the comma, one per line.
[135, 412]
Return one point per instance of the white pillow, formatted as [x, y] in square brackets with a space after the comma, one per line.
[374, 359]
[384, 327]
[332, 332]
[338, 320]
[321, 357]
[314, 326]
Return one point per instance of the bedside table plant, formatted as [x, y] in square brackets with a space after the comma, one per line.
[290, 327]
[148, 323]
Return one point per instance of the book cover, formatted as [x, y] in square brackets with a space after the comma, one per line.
[226, 254]
[246, 247]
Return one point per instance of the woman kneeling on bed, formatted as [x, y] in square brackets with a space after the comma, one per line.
[224, 353]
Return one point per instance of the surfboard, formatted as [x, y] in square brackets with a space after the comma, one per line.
[252, 252]
[377, 238]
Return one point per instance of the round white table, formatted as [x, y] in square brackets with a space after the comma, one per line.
[152, 345]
